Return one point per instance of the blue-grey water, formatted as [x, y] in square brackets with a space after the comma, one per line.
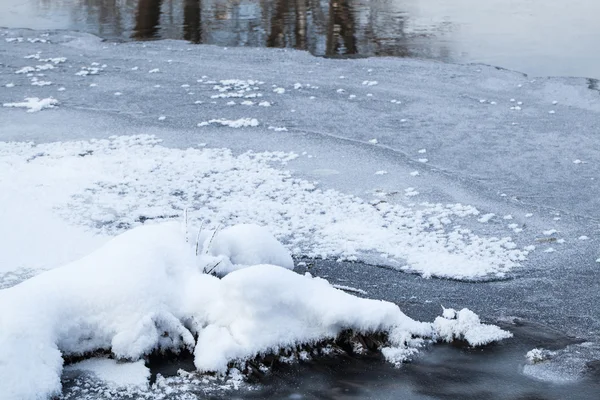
[538, 37]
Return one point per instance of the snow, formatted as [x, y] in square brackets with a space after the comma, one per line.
[350, 289]
[537, 355]
[34, 104]
[486, 217]
[109, 185]
[144, 290]
[465, 325]
[238, 123]
[114, 373]
[243, 245]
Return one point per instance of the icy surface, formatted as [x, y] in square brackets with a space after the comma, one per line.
[145, 290]
[562, 366]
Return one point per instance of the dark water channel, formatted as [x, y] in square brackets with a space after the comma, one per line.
[446, 371]
[540, 37]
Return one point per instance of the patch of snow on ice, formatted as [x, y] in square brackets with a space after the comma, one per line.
[238, 123]
[37, 82]
[466, 325]
[34, 104]
[350, 289]
[120, 374]
[410, 192]
[277, 128]
[486, 217]
[123, 181]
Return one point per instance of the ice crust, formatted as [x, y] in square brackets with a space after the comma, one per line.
[144, 290]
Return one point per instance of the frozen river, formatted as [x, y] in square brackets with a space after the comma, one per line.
[466, 185]
[538, 37]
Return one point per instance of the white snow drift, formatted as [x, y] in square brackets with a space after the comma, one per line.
[115, 184]
[144, 290]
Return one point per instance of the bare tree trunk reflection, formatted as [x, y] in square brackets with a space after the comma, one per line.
[147, 19]
[108, 16]
[277, 36]
[192, 19]
[341, 27]
[300, 32]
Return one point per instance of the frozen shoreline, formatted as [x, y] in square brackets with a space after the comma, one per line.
[428, 132]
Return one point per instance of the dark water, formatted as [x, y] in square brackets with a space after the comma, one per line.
[440, 372]
[541, 37]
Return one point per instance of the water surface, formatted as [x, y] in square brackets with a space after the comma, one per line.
[539, 37]
[443, 371]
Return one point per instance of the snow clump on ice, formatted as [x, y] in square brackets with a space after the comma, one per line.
[34, 104]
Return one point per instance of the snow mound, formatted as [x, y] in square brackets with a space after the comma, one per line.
[145, 291]
[243, 245]
[465, 325]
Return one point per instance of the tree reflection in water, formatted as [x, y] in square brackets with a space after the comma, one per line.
[147, 19]
[331, 28]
